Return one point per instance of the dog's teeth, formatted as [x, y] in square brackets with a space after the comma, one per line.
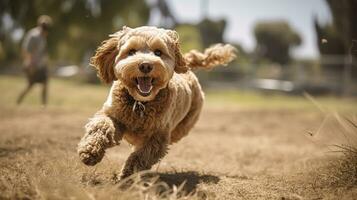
[144, 92]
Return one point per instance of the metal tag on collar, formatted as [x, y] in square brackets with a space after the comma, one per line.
[139, 107]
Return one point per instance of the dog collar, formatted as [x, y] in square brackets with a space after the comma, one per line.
[139, 108]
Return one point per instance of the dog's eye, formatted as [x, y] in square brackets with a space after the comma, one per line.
[157, 52]
[131, 52]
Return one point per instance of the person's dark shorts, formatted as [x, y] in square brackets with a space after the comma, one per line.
[37, 75]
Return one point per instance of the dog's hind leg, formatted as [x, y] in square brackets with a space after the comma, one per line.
[144, 157]
[189, 121]
[101, 133]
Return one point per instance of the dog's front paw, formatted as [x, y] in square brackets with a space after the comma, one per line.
[100, 134]
[90, 153]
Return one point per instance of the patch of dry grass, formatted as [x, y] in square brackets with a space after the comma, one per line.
[345, 168]
[335, 175]
[342, 172]
[40, 176]
[256, 150]
[42, 163]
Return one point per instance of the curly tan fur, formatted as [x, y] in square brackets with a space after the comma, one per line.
[180, 62]
[104, 58]
[218, 54]
[105, 55]
[167, 111]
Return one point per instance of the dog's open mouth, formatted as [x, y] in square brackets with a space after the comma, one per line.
[144, 85]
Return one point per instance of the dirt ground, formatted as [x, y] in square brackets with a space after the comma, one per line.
[232, 153]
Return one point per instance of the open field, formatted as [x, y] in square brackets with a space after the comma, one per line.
[245, 146]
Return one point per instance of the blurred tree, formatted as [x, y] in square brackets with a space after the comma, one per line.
[338, 39]
[344, 14]
[167, 19]
[331, 46]
[79, 25]
[274, 40]
[211, 31]
[328, 40]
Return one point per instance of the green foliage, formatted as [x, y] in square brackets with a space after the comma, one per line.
[190, 37]
[274, 40]
[79, 25]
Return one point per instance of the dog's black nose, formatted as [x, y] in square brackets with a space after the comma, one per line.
[145, 67]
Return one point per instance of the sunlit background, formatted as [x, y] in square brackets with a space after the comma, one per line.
[287, 46]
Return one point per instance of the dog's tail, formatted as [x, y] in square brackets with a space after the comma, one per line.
[218, 54]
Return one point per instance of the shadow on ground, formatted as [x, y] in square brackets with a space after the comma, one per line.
[190, 178]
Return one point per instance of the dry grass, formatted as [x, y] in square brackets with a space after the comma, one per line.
[240, 149]
[342, 172]
[42, 164]
[345, 173]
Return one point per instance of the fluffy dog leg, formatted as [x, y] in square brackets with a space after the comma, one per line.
[101, 134]
[146, 156]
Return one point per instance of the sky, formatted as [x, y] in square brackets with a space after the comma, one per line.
[241, 16]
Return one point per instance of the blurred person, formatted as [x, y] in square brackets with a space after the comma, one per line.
[34, 49]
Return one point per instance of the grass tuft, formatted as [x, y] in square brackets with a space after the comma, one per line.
[342, 170]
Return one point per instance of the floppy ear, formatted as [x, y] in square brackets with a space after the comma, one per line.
[104, 58]
[180, 63]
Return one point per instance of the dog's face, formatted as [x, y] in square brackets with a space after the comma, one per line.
[144, 59]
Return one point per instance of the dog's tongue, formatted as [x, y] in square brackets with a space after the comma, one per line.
[144, 84]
